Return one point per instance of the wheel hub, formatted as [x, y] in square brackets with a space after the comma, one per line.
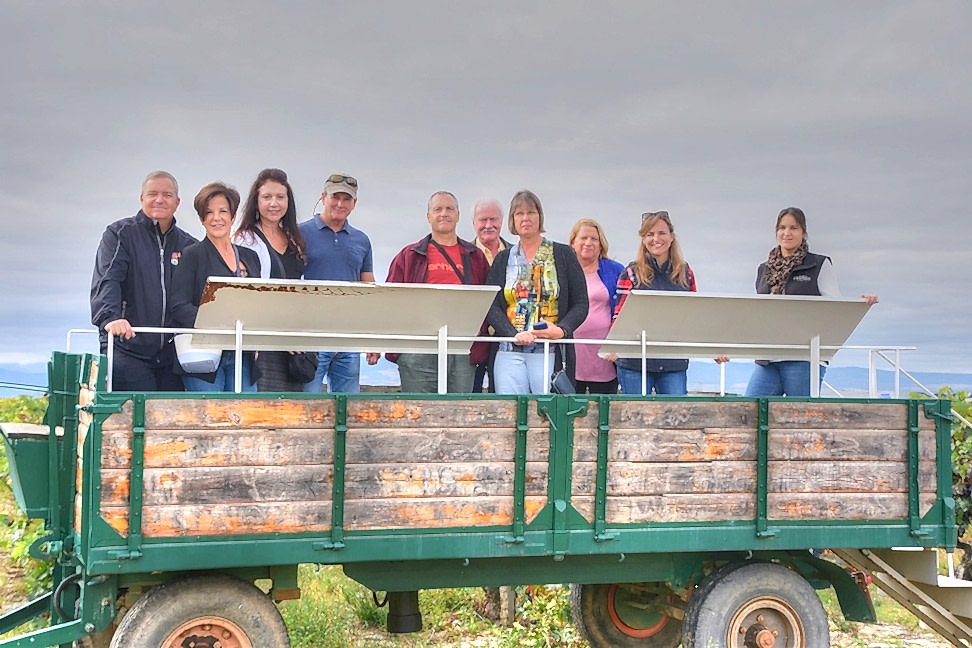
[766, 622]
[207, 632]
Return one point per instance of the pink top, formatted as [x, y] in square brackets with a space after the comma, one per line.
[589, 366]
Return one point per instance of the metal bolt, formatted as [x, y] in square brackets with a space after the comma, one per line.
[89, 628]
[227, 634]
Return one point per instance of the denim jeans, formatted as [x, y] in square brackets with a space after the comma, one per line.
[225, 377]
[662, 382]
[786, 377]
[343, 371]
[521, 373]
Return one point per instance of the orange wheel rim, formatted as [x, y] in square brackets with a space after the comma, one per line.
[207, 632]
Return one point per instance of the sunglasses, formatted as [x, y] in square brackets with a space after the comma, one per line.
[660, 214]
[348, 180]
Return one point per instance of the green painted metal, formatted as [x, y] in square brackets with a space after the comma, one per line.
[24, 613]
[340, 464]
[519, 470]
[601, 533]
[762, 470]
[558, 545]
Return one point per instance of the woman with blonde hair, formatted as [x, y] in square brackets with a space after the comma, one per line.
[659, 266]
[594, 374]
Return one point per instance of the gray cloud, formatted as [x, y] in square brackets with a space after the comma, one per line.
[721, 113]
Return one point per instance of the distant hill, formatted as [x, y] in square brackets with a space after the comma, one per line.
[703, 377]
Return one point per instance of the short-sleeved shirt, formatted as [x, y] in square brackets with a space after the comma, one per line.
[335, 256]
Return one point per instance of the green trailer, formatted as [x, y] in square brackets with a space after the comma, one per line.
[675, 519]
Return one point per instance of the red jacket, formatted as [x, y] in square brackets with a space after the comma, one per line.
[411, 265]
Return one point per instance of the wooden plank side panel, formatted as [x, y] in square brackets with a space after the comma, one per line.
[657, 444]
[219, 447]
[714, 508]
[434, 414]
[250, 485]
[843, 415]
[826, 444]
[228, 413]
[682, 415]
[296, 517]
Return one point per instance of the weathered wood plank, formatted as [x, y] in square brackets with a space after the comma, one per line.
[626, 479]
[845, 415]
[714, 508]
[428, 414]
[675, 415]
[711, 444]
[259, 447]
[205, 485]
[296, 517]
[184, 413]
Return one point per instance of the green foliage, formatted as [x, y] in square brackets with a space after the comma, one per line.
[544, 620]
[17, 533]
[961, 458]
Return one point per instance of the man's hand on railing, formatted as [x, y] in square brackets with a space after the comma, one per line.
[121, 328]
[870, 300]
[372, 358]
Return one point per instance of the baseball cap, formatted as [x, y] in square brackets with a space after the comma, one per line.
[339, 183]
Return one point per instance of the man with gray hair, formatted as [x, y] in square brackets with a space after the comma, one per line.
[487, 222]
[439, 258]
[130, 287]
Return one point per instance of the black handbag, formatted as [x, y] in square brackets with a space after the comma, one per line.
[560, 382]
[302, 366]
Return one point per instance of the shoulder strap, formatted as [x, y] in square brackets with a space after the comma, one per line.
[463, 277]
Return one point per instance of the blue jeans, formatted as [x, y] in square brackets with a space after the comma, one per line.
[663, 382]
[225, 377]
[521, 373]
[785, 377]
[343, 371]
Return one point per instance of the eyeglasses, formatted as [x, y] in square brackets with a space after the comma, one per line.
[337, 178]
[660, 214]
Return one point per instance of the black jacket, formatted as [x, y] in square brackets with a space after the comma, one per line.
[132, 274]
[199, 262]
[802, 279]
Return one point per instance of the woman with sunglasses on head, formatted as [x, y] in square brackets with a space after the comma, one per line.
[594, 374]
[268, 226]
[544, 297]
[791, 269]
[659, 266]
[214, 256]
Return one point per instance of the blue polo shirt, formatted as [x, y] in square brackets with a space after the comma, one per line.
[335, 256]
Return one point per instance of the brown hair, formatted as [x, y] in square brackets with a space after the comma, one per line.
[525, 197]
[643, 270]
[250, 215]
[590, 222]
[798, 215]
[212, 190]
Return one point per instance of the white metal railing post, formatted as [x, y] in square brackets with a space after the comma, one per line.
[111, 360]
[644, 362]
[897, 373]
[722, 378]
[442, 359]
[872, 388]
[546, 367]
[238, 354]
[815, 366]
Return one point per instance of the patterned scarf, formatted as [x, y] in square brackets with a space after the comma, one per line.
[779, 267]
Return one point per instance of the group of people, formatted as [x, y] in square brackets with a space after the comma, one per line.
[150, 273]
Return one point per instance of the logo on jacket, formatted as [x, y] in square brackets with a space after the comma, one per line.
[801, 278]
[175, 258]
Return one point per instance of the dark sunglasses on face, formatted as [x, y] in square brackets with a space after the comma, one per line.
[348, 180]
[661, 214]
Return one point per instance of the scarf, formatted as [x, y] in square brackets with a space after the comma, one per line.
[779, 267]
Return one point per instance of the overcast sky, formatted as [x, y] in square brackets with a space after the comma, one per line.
[722, 113]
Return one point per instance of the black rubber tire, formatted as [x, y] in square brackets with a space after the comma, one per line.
[740, 593]
[602, 616]
[167, 607]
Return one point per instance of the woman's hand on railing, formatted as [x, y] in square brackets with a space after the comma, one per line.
[524, 338]
[870, 300]
[722, 359]
[551, 332]
[372, 358]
